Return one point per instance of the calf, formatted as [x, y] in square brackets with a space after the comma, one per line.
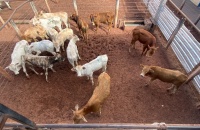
[94, 65]
[45, 62]
[72, 51]
[146, 38]
[100, 94]
[41, 46]
[61, 37]
[82, 26]
[48, 22]
[106, 17]
[63, 16]
[166, 75]
[18, 51]
[32, 34]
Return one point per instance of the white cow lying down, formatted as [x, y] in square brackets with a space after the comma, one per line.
[18, 51]
[87, 69]
[41, 46]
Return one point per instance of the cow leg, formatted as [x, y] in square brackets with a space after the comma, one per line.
[46, 74]
[91, 78]
[63, 46]
[51, 67]
[7, 3]
[132, 44]
[24, 70]
[104, 68]
[150, 81]
[172, 90]
[34, 70]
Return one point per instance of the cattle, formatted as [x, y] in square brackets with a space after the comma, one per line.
[100, 94]
[146, 38]
[44, 62]
[34, 34]
[87, 69]
[72, 51]
[63, 16]
[175, 77]
[41, 46]
[51, 33]
[3, 2]
[18, 51]
[82, 26]
[51, 22]
[105, 17]
[61, 37]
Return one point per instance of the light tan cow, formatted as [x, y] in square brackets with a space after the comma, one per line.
[175, 77]
[100, 94]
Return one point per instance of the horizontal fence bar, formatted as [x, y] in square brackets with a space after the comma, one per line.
[120, 125]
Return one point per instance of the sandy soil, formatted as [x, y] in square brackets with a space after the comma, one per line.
[129, 101]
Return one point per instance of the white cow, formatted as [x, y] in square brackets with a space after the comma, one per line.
[72, 51]
[63, 16]
[16, 55]
[51, 33]
[61, 37]
[51, 22]
[87, 69]
[41, 46]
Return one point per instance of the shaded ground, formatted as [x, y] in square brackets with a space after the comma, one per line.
[129, 101]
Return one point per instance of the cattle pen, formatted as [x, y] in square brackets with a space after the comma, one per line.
[130, 104]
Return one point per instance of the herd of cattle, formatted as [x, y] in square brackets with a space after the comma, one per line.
[47, 34]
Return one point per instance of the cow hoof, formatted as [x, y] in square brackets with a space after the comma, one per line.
[41, 73]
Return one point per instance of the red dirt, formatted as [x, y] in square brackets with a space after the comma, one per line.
[129, 101]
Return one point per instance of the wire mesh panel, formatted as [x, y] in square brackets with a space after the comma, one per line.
[185, 46]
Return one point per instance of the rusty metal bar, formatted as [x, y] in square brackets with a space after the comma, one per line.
[13, 14]
[75, 7]
[180, 24]
[116, 12]
[193, 73]
[48, 6]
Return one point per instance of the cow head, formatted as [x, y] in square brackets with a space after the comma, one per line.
[93, 18]
[74, 17]
[151, 51]
[79, 70]
[78, 116]
[146, 70]
[14, 67]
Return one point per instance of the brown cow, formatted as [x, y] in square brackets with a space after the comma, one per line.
[146, 38]
[175, 77]
[106, 17]
[100, 93]
[82, 26]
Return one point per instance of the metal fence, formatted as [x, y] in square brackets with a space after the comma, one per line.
[184, 45]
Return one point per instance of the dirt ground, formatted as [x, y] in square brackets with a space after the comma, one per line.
[129, 100]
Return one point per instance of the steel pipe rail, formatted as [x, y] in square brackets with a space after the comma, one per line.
[120, 125]
[14, 13]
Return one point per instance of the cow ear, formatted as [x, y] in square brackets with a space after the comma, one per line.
[76, 107]
[141, 65]
[84, 119]
[84, 68]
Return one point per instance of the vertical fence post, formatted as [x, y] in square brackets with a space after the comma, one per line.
[181, 22]
[33, 7]
[160, 7]
[19, 34]
[48, 6]
[75, 7]
[182, 4]
[197, 20]
[116, 12]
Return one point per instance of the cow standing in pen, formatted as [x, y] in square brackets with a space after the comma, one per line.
[146, 38]
[105, 17]
[100, 94]
[44, 62]
[175, 77]
[88, 69]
